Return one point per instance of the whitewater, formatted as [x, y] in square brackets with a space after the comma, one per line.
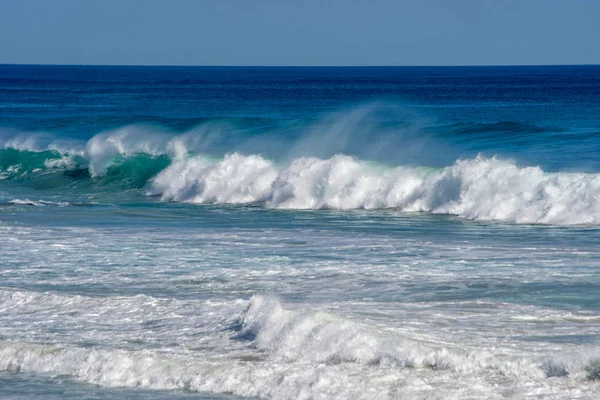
[299, 233]
[482, 188]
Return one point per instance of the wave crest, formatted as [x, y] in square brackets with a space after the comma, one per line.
[480, 188]
[235, 179]
[176, 169]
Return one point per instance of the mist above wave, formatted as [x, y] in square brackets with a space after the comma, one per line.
[390, 134]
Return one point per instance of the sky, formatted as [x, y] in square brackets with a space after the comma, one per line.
[300, 32]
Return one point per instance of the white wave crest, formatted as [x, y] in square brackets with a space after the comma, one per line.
[236, 179]
[126, 142]
[479, 188]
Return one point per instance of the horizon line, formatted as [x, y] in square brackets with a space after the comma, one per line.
[298, 66]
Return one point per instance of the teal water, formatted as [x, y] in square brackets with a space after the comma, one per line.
[299, 232]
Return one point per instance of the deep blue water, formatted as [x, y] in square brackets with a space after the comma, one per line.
[372, 232]
[530, 113]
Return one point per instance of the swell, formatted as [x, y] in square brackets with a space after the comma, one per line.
[503, 127]
[210, 164]
[379, 119]
[75, 125]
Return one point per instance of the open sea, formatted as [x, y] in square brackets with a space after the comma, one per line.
[299, 233]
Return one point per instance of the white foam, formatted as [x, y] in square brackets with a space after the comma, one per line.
[322, 337]
[298, 354]
[39, 203]
[235, 179]
[479, 188]
[126, 142]
[64, 162]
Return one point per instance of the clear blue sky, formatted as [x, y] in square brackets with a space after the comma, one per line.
[300, 32]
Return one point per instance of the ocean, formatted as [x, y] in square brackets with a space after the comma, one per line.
[299, 233]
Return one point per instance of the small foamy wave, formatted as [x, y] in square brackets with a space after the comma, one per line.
[323, 338]
[307, 354]
[38, 203]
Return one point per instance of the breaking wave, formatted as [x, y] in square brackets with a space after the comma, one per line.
[305, 354]
[480, 188]
[325, 338]
[181, 168]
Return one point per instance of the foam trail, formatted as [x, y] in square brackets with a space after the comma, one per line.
[480, 188]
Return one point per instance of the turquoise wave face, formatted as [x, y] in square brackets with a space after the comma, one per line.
[50, 169]
[15, 163]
